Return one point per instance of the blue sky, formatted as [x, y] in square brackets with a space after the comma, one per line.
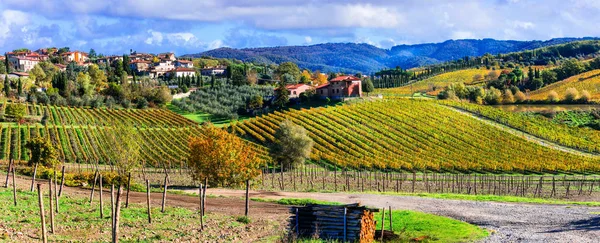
[192, 26]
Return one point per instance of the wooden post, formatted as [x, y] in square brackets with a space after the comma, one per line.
[201, 207]
[391, 221]
[55, 192]
[93, 186]
[128, 187]
[101, 199]
[148, 201]
[112, 206]
[117, 216]
[14, 187]
[382, 223]
[62, 181]
[414, 181]
[164, 198]
[10, 164]
[247, 198]
[33, 177]
[204, 196]
[51, 206]
[42, 216]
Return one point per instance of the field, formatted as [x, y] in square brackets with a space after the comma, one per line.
[585, 139]
[437, 83]
[589, 81]
[84, 135]
[403, 134]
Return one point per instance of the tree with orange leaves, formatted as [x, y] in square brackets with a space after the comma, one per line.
[319, 78]
[222, 158]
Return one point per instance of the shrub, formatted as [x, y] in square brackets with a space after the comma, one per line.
[508, 97]
[571, 95]
[585, 96]
[520, 97]
[493, 96]
[553, 97]
[243, 219]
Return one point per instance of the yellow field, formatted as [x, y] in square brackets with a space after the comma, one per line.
[437, 83]
[589, 81]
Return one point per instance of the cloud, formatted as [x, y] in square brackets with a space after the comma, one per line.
[242, 39]
[308, 39]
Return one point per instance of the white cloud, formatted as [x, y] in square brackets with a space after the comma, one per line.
[308, 39]
[463, 35]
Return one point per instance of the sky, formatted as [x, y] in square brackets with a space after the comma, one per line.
[193, 26]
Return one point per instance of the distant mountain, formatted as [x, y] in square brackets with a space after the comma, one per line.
[351, 57]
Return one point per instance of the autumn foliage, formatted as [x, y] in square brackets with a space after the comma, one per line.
[223, 158]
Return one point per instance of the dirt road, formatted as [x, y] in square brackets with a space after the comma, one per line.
[509, 222]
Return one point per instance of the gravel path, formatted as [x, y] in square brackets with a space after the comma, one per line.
[509, 222]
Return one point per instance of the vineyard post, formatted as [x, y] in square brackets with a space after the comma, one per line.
[93, 186]
[42, 216]
[101, 199]
[391, 221]
[382, 223]
[164, 197]
[33, 177]
[14, 187]
[51, 206]
[148, 200]
[55, 192]
[204, 196]
[335, 178]
[414, 180]
[117, 216]
[128, 187]
[62, 181]
[592, 186]
[201, 207]
[247, 198]
[112, 206]
[475, 183]
[10, 164]
[553, 187]
[281, 170]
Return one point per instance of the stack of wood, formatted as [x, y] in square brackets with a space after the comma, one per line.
[348, 223]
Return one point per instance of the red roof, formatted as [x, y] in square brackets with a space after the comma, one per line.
[323, 86]
[183, 70]
[20, 73]
[184, 61]
[139, 61]
[294, 86]
[345, 78]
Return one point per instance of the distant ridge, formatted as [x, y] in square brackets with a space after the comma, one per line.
[365, 58]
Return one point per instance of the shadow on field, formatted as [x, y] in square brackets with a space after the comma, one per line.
[591, 224]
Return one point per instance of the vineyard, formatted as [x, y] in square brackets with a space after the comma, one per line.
[84, 135]
[437, 83]
[586, 139]
[589, 81]
[403, 134]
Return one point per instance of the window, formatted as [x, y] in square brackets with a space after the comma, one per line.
[321, 91]
[294, 92]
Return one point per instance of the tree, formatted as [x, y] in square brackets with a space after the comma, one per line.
[85, 86]
[222, 158]
[7, 63]
[92, 55]
[493, 96]
[549, 76]
[288, 68]
[255, 102]
[368, 86]
[97, 77]
[571, 94]
[252, 77]
[126, 66]
[19, 87]
[319, 78]
[292, 145]
[16, 111]
[37, 74]
[42, 152]
[306, 77]
[508, 97]
[282, 95]
[553, 97]
[6, 86]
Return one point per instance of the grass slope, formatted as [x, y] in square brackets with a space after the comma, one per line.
[437, 83]
[589, 81]
[406, 134]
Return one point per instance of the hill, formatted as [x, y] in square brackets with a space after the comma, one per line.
[352, 58]
[403, 134]
[84, 135]
[437, 83]
[589, 81]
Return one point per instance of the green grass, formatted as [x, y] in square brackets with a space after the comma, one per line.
[201, 117]
[493, 198]
[411, 225]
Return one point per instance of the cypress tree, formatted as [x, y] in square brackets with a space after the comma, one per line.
[6, 63]
[19, 87]
[6, 86]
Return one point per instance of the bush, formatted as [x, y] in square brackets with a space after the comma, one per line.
[508, 97]
[520, 97]
[243, 219]
[585, 96]
[553, 97]
[493, 96]
[571, 95]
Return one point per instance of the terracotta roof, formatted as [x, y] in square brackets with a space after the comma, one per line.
[183, 70]
[139, 61]
[294, 86]
[345, 78]
[20, 73]
[184, 61]
[322, 85]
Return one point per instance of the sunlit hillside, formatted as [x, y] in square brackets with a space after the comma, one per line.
[437, 83]
[589, 81]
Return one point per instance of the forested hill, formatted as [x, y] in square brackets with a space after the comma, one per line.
[351, 57]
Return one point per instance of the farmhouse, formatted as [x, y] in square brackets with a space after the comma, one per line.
[184, 64]
[296, 89]
[182, 72]
[341, 87]
[75, 56]
[217, 71]
[23, 63]
[139, 65]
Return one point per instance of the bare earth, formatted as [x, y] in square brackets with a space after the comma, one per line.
[508, 222]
